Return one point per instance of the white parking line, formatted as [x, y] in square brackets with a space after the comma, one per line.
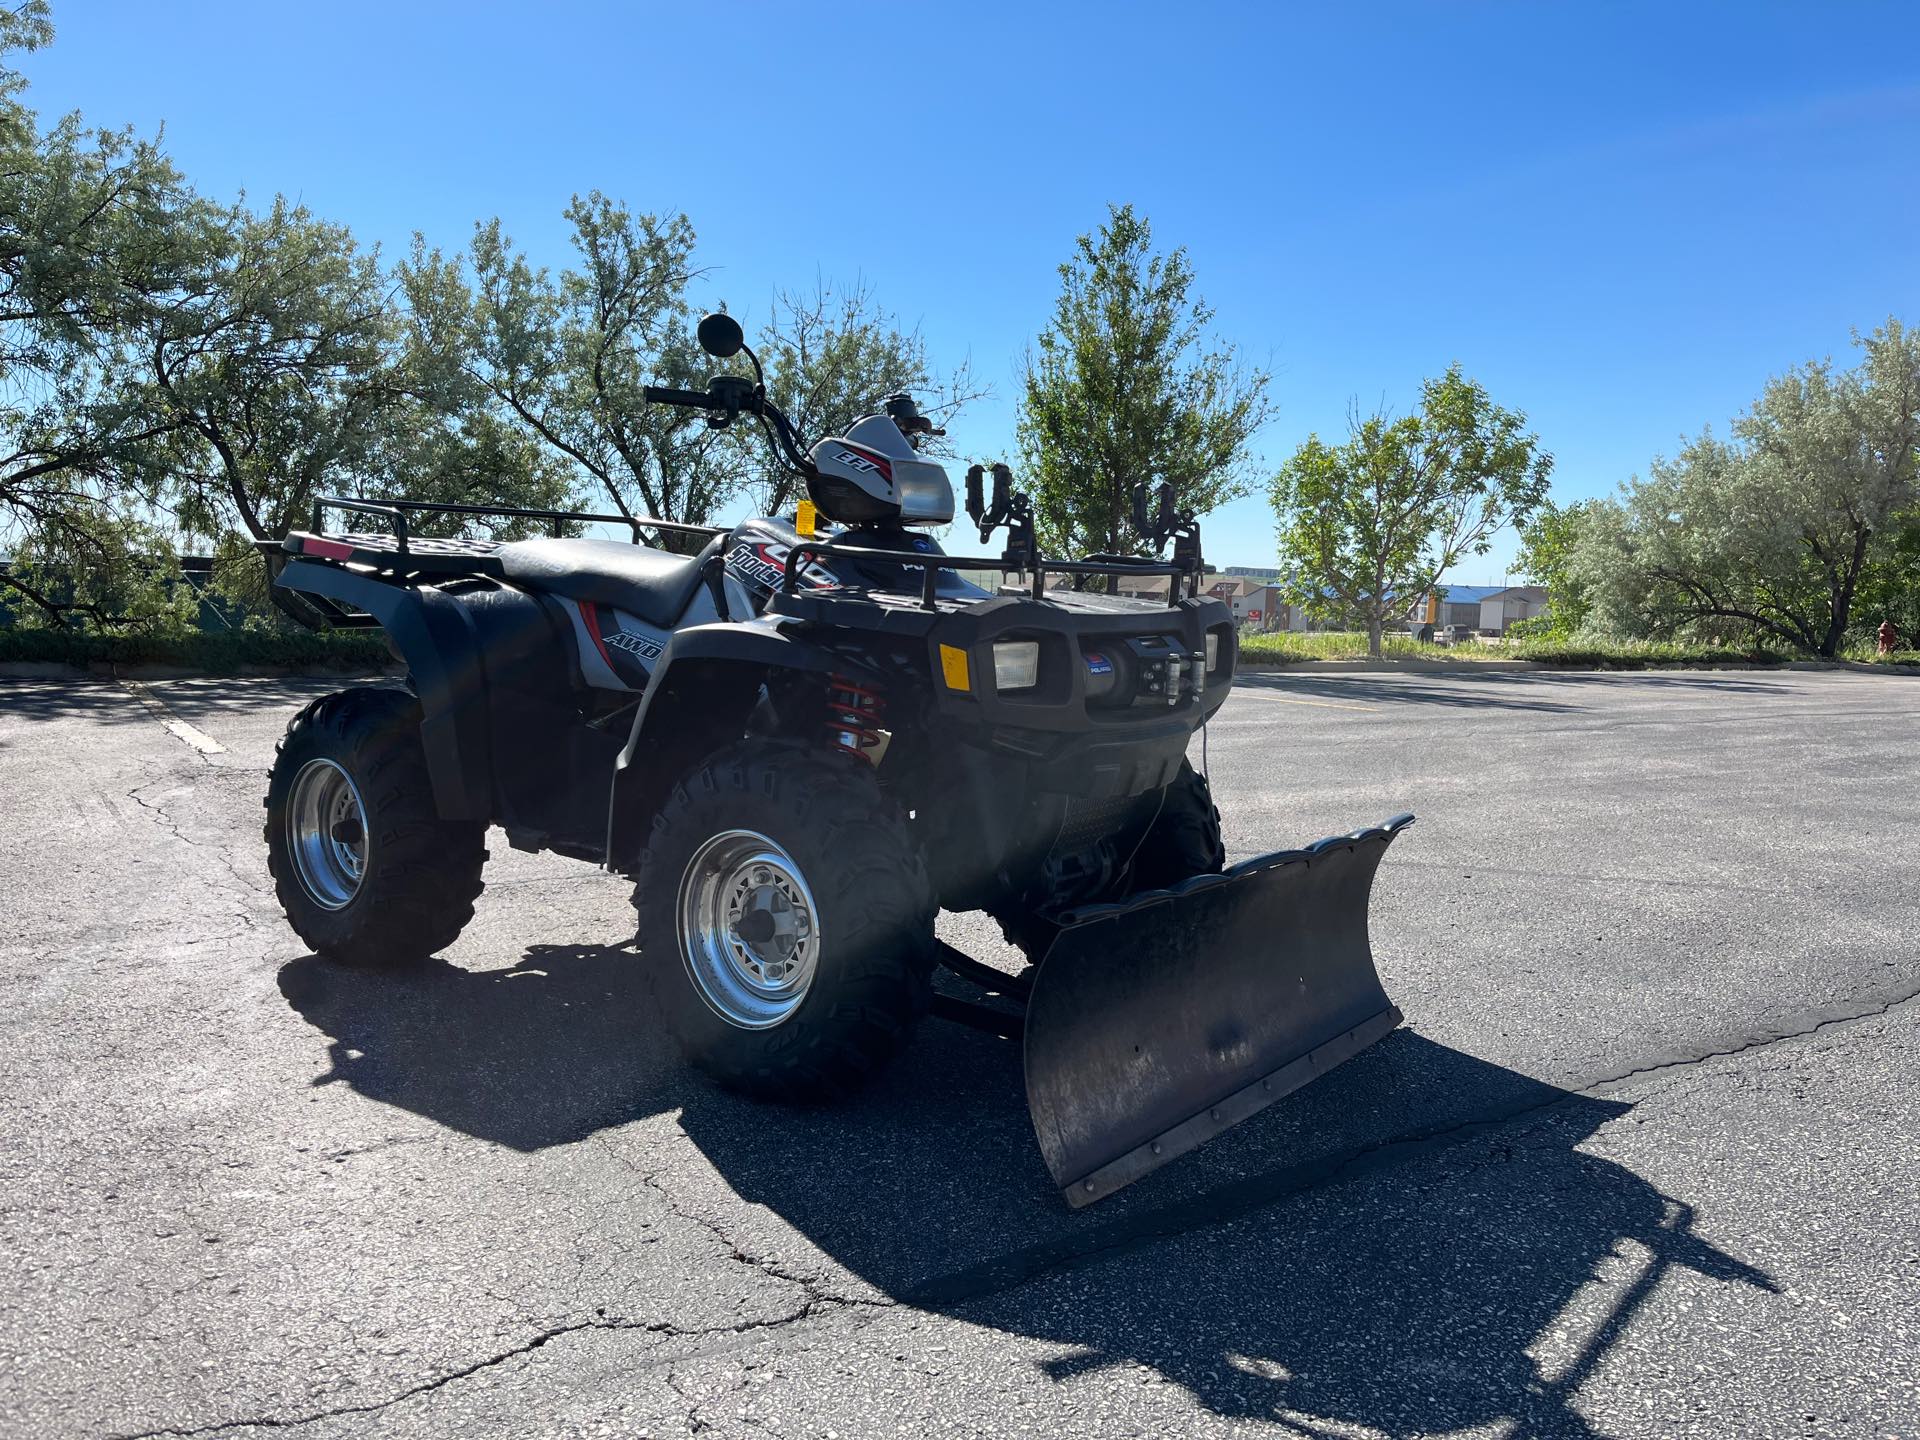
[198, 739]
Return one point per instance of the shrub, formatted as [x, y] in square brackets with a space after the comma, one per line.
[221, 652]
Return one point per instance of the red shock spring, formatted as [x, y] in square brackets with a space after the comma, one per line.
[856, 715]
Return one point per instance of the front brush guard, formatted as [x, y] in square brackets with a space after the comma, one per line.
[1155, 1023]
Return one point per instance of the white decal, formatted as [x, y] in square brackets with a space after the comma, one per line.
[643, 646]
[764, 563]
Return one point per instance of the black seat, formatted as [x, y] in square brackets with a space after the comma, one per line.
[652, 584]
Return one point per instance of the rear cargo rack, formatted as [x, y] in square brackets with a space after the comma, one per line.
[395, 512]
[400, 553]
[931, 565]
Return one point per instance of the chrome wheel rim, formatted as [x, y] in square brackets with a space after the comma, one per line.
[749, 930]
[327, 834]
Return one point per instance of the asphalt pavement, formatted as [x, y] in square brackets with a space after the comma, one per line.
[1643, 1161]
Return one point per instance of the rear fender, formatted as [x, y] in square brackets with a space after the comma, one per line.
[701, 695]
[434, 634]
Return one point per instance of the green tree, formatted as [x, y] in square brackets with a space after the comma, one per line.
[178, 371]
[272, 362]
[1890, 585]
[1368, 527]
[25, 26]
[88, 244]
[1548, 542]
[1126, 387]
[1772, 533]
[566, 357]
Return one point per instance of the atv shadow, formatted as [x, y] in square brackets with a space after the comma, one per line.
[1418, 1245]
[1477, 1294]
[546, 1052]
[1472, 1270]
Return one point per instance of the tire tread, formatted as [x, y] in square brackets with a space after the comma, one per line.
[426, 871]
[880, 985]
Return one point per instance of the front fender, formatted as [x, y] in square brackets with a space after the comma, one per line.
[700, 695]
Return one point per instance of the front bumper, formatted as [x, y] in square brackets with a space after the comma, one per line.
[1073, 731]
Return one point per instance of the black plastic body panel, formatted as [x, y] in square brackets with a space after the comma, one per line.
[435, 635]
[1072, 740]
[996, 781]
[1059, 702]
[505, 737]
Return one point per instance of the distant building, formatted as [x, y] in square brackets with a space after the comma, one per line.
[1458, 605]
[1257, 600]
[1503, 607]
[1149, 587]
[1266, 609]
[1253, 599]
[1486, 609]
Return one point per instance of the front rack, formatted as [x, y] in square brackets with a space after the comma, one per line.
[931, 565]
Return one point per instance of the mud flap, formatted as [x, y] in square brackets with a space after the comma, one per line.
[1157, 1022]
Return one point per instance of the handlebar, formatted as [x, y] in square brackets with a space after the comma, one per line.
[729, 396]
[693, 399]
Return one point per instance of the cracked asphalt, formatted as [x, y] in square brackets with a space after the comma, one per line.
[1643, 1162]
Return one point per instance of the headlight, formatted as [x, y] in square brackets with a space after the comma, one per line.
[1213, 649]
[1016, 664]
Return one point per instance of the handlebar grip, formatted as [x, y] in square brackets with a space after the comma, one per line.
[660, 395]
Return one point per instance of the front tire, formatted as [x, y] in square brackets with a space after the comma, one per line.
[1184, 839]
[362, 863]
[785, 921]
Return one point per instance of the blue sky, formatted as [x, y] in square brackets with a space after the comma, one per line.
[1621, 217]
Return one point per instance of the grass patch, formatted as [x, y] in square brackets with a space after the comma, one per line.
[1869, 653]
[1352, 645]
[217, 653]
[1589, 654]
[1289, 647]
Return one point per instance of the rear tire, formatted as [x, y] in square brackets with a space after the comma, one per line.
[363, 865]
[768, 831]
[1184, 840]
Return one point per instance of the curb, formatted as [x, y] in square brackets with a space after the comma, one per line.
[105, 670]
[1394, 667]
[1862, 665]
[1508, 667]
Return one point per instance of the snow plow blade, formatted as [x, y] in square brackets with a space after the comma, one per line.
[1158, 1022]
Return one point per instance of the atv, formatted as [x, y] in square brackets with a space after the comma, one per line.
[800, 741]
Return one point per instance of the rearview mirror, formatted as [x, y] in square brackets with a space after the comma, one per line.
[720, 335]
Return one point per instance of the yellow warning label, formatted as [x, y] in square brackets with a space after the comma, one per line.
[953, 668]
[806, 520]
